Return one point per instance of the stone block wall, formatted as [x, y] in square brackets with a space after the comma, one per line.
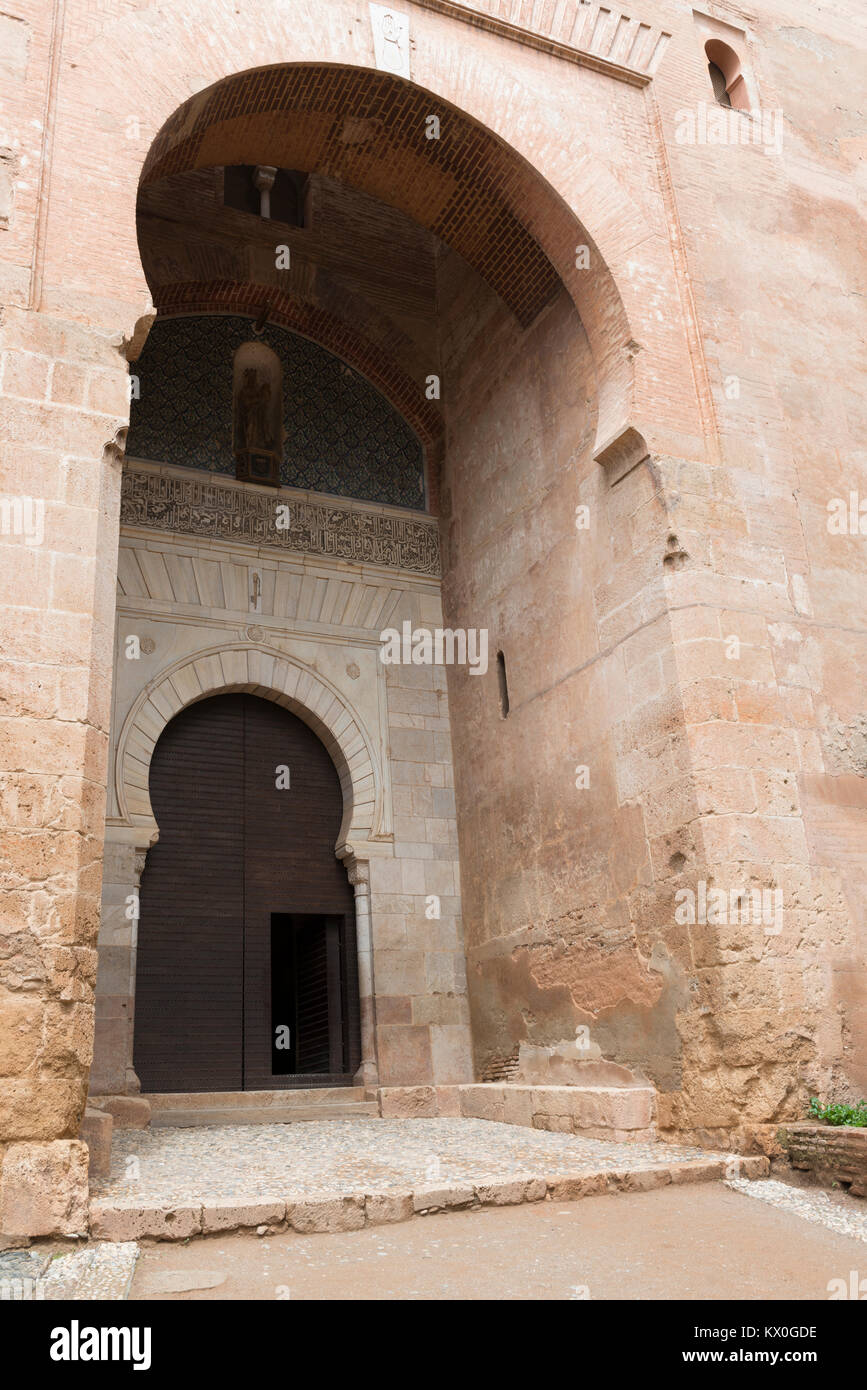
[420, 966]
[565, 863]
[63, 404]
[680, 647]
[833, 1153]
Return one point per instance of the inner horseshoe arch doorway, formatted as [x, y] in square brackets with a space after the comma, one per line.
[246, 966]
[285, 681]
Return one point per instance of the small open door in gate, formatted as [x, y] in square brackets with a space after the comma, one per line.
[307, 1005]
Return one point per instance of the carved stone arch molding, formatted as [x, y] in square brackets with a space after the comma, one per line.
[272, 674]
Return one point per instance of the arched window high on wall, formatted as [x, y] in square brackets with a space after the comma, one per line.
[724, 67]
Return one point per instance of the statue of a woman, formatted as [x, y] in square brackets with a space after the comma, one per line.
[253, 409]
[257, 441]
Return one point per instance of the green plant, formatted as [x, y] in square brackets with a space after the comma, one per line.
[855, 1115]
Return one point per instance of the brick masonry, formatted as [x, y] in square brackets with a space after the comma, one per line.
[833, 1153]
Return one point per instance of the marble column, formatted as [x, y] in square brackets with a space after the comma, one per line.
[359, 876]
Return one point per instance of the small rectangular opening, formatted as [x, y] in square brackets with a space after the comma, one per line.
[288, 195]
[503, 685]
[307, 1004]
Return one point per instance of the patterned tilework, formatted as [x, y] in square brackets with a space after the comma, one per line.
[375, 362]
[342, 436]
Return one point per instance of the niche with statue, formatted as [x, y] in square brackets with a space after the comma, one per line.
[257, 414]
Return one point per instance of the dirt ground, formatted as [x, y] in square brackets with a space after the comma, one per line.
[699, 1242]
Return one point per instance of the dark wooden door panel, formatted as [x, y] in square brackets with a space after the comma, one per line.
[235, 852]
[290, 866]
[337, 1053]
[189, 997]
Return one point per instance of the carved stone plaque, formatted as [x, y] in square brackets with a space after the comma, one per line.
[390, 39]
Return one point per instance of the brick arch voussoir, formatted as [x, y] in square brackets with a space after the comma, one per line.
[471, 188]
[130, 50]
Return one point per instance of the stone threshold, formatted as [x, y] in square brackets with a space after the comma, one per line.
[622, 1113]
[326, 1212]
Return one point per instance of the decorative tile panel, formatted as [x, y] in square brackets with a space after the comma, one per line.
[341, 435]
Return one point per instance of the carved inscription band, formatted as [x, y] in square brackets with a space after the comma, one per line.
[224, 511]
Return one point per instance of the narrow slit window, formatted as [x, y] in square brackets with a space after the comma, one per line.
[503, 685]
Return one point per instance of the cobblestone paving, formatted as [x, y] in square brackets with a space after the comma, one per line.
[810, 1203]
[309, 1158]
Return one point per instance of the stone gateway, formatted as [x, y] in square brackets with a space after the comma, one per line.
[244, 852]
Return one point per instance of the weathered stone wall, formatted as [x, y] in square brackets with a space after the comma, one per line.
[64, 398]
[561, 857]
[775, 721]
[729, 605]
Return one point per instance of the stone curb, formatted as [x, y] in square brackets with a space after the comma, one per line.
[327, 1213]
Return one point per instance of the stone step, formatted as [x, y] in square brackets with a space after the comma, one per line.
[256, 1100]
[621, 1113]
[181, 1118]
[119, 1218]
[182, 1109]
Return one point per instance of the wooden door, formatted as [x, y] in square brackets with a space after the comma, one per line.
[190, 959]
[290, 869]
[238, 855]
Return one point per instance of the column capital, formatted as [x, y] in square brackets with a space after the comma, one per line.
[358, 872]
[357, 867]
